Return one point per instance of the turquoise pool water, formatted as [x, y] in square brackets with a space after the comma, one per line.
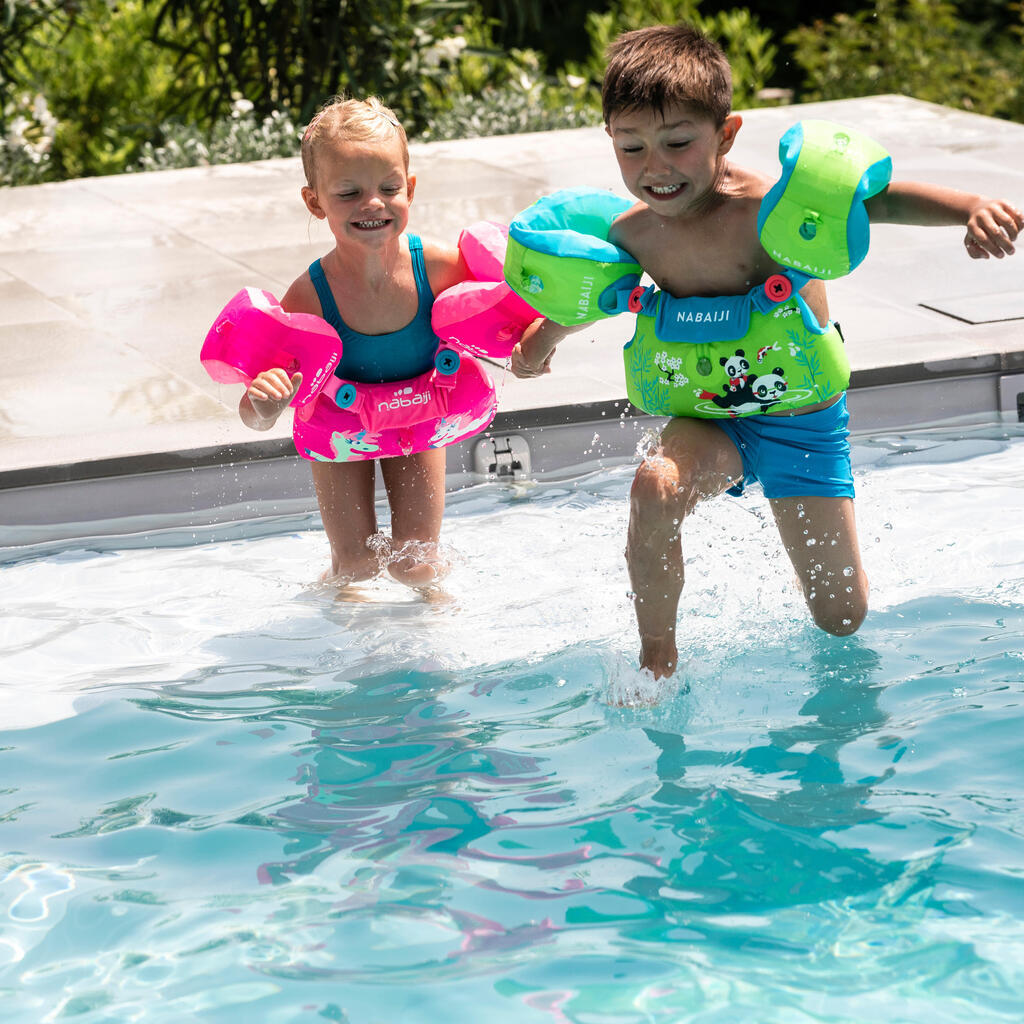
[227, 797]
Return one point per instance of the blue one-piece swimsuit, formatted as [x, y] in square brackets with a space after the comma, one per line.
[383, 358]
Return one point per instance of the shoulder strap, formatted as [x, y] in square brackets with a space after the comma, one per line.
[419, 270]
[328, 306]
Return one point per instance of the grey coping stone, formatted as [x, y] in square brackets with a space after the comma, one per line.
[108, 285]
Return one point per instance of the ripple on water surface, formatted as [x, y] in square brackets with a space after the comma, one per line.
[228, 796]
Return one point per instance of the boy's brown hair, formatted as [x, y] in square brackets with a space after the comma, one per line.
[654, 68]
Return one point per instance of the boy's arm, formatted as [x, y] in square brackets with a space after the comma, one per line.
[992, 224]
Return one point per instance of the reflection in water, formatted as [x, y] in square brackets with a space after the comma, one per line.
[508, 831]
[788, 833]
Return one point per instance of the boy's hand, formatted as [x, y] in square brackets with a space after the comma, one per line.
[532, 356]
[992, 228]
[268, 396]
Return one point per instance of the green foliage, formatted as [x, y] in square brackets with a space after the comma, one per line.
[283, 56]
[100, 86]
[917, 47]
[524, 106]
[106, 83]
[748, 46]
[29, 129]
[240, 138]
[19, 20]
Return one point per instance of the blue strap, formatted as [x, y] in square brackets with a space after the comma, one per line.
[328, 306]
[702, 319]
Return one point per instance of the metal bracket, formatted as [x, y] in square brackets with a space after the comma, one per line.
[507, 457]
[1011, 394]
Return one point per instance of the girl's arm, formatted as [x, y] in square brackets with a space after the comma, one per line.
[269, 394]
[445, 267]
[992, 224]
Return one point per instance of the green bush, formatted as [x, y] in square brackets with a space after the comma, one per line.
[101, 86]
[29, 129]
[917, 47]
[747, 45]
[105, 82]
[240, 138]
[283, 56]
[510, 110]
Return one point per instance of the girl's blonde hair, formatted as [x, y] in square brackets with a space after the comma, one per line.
[343, 120]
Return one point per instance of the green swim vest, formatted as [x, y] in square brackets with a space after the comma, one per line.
[778, 364]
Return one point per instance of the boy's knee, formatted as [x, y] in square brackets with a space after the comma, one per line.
[658, 491]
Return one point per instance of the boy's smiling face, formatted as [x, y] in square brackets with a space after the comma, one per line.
[671, 159]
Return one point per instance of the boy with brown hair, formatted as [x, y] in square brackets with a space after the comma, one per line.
[667, 105]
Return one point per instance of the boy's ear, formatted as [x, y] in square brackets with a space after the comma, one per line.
[730, 126]
[411, 187]
[312, 203]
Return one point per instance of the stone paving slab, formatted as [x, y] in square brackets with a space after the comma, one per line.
[108, 285]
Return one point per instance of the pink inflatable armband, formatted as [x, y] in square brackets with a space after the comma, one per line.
[483, 316]
[253, 333]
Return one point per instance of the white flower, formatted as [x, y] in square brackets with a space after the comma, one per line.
[443, 49]
[16, 131]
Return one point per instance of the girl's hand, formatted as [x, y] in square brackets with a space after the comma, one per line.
[268, 396]
[992, 228]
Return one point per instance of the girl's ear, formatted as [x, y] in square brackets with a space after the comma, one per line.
[312, 203]
[411, 188]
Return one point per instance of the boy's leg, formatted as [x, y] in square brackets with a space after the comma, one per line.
[415, 486]
[345, 493]
[696, 460]
[820, 537]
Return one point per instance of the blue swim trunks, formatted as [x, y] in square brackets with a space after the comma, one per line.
[795, 456]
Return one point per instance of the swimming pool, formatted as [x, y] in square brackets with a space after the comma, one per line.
[229, 797]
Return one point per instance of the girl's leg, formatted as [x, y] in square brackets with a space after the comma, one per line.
[820, 536]
[696, 460]
[415, 486]
[345, 493]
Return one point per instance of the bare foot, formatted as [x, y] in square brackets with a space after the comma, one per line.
[630, 687]
[436, 595]
[658, 654]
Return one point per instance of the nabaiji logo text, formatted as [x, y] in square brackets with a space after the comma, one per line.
[583, 304]
[404, 399]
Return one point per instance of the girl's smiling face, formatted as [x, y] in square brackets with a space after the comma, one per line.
[363, 189]
[671, 159]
